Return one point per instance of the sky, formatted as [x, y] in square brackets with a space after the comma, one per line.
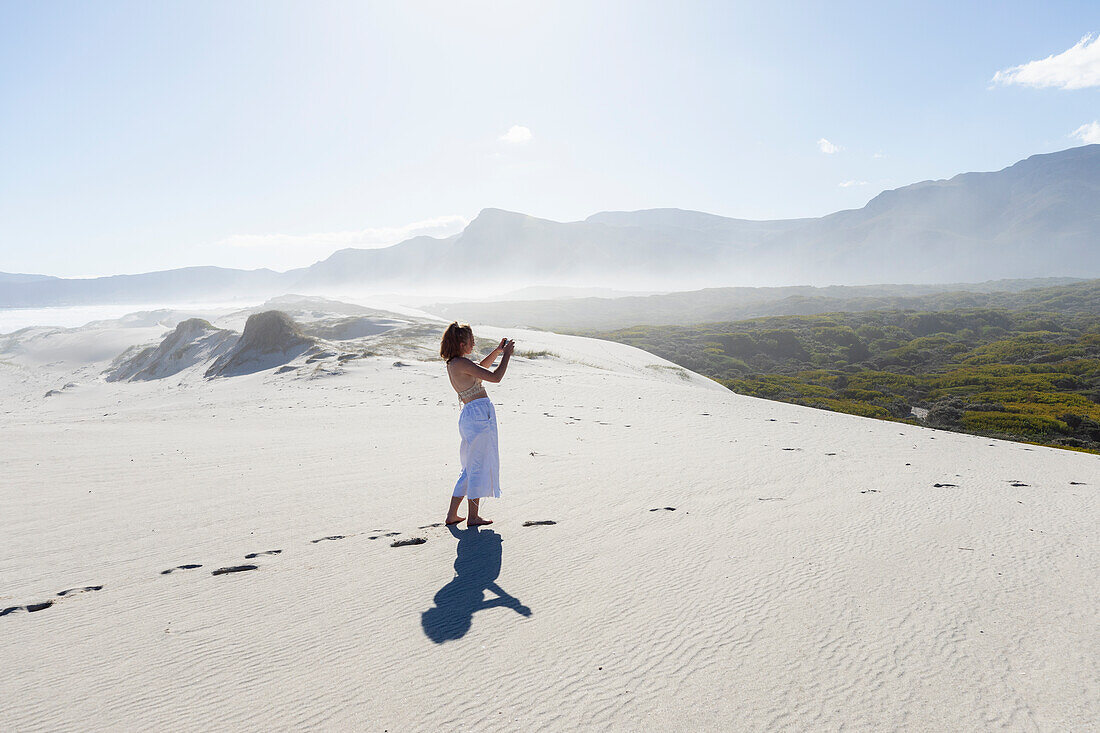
[139, 136]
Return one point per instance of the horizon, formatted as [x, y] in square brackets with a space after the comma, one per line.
[156, 138]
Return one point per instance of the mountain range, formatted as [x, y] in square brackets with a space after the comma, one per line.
[1037, 218]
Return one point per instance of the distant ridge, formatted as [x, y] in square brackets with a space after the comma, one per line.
[1037, 218]
[14, 277]
[709, 305]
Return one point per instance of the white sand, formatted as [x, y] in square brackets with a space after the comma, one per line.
[810, 577]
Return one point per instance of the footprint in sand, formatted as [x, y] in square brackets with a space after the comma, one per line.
[1016, 484]
[429, 526]
[253, 555]
[180, 567]
[540, 522]
[771, 498]
[792, 449]
[664, 508]
[85, 589]
[31, 607]
[234, 569]
[945, 486]
[408, 541]
[869, 491]
[387, 534]
[333, 537]
[1077, 483]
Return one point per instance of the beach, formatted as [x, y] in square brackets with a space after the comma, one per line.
[715, 561]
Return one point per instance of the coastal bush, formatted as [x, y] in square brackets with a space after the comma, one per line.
[985, 407]
[1012, 423]
[852, 407]
[1029, 369]
[946, 412]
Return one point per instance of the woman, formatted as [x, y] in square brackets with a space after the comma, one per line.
[477, 424]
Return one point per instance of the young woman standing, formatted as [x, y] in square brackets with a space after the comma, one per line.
[477, 423]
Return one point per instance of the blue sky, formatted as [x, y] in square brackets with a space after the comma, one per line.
[145, 136]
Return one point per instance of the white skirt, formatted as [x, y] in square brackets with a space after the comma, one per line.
[477, 424]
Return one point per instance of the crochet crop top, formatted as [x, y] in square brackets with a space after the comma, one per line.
[470, 392]
[475, 390]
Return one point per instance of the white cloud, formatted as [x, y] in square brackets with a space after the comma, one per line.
[1074, 68]
[849, 184]
[516, 135]
[878, 155]
[827, 147]
[1087, 134]
[296, 250]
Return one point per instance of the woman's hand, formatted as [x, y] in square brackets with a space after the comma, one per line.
[503, 342]
[508, 346]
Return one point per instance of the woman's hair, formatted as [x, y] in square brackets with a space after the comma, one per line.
[454, 337]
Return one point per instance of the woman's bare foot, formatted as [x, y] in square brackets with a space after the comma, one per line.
[476, 520]
[452, 511]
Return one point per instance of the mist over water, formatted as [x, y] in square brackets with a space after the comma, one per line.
[14, 319]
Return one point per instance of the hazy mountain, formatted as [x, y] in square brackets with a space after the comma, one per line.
[15, 277]
[504, 248]
[185, 284]
[1037, 218]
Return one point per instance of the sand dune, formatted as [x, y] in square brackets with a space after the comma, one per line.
[270, 339]
[192, 342]
[241, 553]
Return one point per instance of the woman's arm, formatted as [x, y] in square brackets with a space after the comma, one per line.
[468, 367]
[488, 361]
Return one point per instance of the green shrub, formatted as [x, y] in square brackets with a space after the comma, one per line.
[1018, 373]
[1012, 423]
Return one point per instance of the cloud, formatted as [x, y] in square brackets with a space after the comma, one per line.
[1074, 68]
[849, 184]
[878, 155]
[827, 147]
[306, 248]
[516, 135]
[1087, 134]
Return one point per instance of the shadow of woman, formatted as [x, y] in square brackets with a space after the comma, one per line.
[476, 569]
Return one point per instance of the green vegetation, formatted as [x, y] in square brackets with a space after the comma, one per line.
[1017, 374]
